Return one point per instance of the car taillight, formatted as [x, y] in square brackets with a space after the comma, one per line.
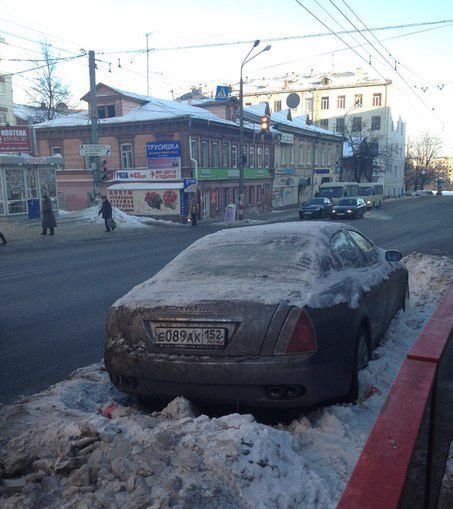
[297, 334]
[303, 336]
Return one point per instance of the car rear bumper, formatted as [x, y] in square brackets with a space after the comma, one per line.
[294, 381]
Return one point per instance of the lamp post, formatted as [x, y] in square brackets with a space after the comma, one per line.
[241, 126]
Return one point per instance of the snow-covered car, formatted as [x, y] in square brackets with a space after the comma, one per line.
[272, 315]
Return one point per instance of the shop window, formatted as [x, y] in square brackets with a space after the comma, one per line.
[126, 156]
[15, 191]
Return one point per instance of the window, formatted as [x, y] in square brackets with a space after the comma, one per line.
[3, 119]
[377, 99]
[324, 103]
[375, 123]
[2, 86]
[107, 111]
[339, 125]
[366, 247]
[323, 155]
[224, 155]
[267, 158]
[291, 154]
[358, 99]
[309, 155]
[126, 155]
[346, 251]
[329, 154]
[56, 150]
[215, 154]
[341, 102]
[301, 154]
[204, 154]
[324, 124]
[277, 106]
[282, 155]
[234, 156]
[357, 124]
[259, 157]
[251, 157]
[259, 195]
[309, 104]
[194, 149]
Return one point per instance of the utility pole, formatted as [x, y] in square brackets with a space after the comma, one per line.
[94, 139]
[147, 62]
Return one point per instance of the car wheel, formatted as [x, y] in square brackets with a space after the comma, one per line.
[361, 359]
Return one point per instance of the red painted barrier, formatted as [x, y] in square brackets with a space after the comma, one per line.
[403, 460]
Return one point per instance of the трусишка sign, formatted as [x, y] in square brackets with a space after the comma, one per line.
[15, 139]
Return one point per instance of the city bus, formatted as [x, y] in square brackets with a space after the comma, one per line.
[373, 194]
[337, 190]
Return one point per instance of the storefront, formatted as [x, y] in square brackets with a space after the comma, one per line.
[24, 179]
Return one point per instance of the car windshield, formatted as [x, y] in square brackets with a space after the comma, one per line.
[331, 192]
[347, 202]
[315, 201]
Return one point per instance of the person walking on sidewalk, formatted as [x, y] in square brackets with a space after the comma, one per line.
[48, 218]
[193, 213]
[2, 237]
[106, 211]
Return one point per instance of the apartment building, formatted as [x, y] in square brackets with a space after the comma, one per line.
[6, 93]
[343, 102]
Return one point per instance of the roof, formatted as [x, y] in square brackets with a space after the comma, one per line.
[151, 109]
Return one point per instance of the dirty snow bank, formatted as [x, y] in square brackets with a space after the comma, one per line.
[82, 444]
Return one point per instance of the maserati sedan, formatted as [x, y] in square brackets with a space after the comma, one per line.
[280, 315]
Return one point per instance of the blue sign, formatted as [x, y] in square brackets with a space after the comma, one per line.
[322, 171]
[158, 149]
[222, 93]
[189, 182]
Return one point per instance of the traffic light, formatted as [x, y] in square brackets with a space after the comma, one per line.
[265, 124]
[103, 169]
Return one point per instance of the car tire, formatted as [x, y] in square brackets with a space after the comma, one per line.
[361, 359]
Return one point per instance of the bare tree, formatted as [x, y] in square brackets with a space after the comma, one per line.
[367, 155]
[422, 164]
[48, 92]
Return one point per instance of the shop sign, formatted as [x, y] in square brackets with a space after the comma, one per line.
[285, 171]
[287, 138]
[190, 185]
[231, 173]
[146, 175]
[15, 139]
[321, 171]
[164, 157]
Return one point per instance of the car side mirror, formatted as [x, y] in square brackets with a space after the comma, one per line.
[393, 255]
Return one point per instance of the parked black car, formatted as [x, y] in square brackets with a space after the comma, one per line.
[281, 315]
[316, 207]
[349, 208]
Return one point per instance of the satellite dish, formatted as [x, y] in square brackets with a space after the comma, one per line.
[293, 100]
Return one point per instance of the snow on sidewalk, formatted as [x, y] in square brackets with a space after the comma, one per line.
[82, 444]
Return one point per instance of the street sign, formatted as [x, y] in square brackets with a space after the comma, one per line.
[222, 93]
[94, 150]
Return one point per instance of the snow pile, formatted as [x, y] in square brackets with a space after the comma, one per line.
[124, 220]
[82, 444]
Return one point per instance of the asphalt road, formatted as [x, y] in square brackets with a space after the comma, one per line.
[53, 301]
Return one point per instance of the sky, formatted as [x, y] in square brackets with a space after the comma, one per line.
[81, 443]
[116, 31]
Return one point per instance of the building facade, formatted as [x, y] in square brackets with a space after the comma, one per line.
[163, 155]
[6, 93]
[348, 103]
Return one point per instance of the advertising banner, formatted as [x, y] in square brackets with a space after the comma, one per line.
[15, 139]
[143, 175]
[164, 158]
[144, 202]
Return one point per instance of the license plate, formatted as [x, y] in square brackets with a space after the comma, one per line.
[340, 213]
[190, 337]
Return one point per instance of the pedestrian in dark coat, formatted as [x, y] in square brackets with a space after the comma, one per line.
[3, 239]
[193, 213]
[48, 218]
[106, 211]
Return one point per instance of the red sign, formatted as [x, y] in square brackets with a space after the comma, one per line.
[15, 139]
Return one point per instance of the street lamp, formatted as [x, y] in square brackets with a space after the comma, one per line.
[241, 125]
